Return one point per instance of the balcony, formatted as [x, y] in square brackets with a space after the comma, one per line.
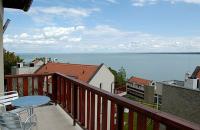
[78, 105]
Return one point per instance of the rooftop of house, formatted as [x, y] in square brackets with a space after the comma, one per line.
[36, 61]
[174, 82]
[196, 73]
[79, 71]
[140, 81]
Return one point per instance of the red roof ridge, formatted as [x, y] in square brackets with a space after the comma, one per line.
[139, 81]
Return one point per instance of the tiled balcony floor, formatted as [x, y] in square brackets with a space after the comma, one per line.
[54, 118]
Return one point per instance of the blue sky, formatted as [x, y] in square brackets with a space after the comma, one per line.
[82, 26]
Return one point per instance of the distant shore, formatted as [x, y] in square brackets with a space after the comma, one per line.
[119, 53]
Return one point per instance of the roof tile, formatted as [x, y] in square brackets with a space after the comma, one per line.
[139, 81]
[79, 71]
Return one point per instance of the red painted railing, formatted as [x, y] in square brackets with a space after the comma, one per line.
[92, 108]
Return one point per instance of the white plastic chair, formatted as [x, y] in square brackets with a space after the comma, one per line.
[7, 97]
[13, 121]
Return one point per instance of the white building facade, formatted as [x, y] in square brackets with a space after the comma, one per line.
[30, 68]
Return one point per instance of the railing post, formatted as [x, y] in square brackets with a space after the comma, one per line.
[88, 109]
[64, 93]
[92, 112]
[141, 121]
[33, 86]
[83, 107]
[112, 116]
[25, 86]
[170, 128]
[47, 85]
[9, 84]
[74, 103]
[17, 83]
[99, 112]
[54, 88]
[104, 113]
[40, 85]
[69, 96]
[130, 119]
[120, 117]
[156, 125]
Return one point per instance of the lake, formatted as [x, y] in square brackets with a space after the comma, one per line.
[157, 67]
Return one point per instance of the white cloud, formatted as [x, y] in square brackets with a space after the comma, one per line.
[141, 3]
[101, 38]
[112, 1]
[50, 15]
[63, 11]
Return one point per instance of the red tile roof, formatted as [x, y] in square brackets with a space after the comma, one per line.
[140, 81]
[79, 71]
[196, 73]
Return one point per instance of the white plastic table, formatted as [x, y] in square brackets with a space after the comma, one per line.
[30, 102]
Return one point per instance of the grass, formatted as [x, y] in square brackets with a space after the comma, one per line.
[149, 122]
[154, 105]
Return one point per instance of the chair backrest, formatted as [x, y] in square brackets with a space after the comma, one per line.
[7, 97]
[10, 120]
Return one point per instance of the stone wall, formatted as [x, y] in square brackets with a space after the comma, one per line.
[182, 102]
[149, 94]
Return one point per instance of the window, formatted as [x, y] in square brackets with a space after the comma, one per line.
[100, 85]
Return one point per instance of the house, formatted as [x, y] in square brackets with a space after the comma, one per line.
[143, 89]
[135, 86]
[23, 68]
[96, 75]
[192, 81]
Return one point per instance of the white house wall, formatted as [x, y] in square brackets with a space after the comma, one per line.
[24, 70]
[105, 77]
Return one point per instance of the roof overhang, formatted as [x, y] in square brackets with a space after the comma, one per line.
[18, 4]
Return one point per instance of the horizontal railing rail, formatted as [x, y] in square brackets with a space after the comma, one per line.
[93, 108]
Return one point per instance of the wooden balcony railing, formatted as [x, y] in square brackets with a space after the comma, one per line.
[95, 109]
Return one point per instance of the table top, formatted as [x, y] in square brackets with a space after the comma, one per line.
[30, 101]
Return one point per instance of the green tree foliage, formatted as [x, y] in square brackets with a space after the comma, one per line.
[10, 59]
[120, 76]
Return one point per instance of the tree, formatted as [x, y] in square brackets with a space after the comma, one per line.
[10, 59]
[120, 76]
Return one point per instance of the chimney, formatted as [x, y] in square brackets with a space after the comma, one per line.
[20, 65]
[45, 60]
[187, 76]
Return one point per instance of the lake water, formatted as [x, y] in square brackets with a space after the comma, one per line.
[157, 67]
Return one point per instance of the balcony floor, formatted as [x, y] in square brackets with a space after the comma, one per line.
[54, 118]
